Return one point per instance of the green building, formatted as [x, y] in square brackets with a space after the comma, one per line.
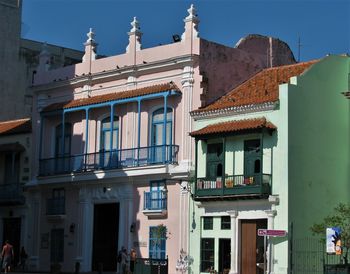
[271, 154]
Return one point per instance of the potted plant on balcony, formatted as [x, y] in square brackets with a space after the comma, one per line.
[229, 183]
[340, 218]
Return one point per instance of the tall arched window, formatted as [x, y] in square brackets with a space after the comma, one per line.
[105, 143]
[67, 140]
[158, 127]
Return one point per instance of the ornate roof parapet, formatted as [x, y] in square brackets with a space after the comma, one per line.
[44, 58]
[90, 47]
[191, 24]
[134, 36]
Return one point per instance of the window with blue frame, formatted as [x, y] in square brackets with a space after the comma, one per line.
[157, 131]
[157, 242]
[156, 199]
[105, 141]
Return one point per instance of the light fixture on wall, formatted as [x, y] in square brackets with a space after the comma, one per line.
[105, 189]
[132, 228]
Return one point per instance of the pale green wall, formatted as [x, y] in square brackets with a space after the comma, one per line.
[310, 159]
[318, 143]
[275, 160]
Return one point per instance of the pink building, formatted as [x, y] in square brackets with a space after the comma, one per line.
[112, 148]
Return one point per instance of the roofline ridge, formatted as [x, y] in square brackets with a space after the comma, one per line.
[16, 120]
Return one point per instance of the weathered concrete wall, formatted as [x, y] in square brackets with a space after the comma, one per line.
[10, 27]
[223, 68]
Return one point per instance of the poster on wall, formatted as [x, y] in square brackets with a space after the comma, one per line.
[333, 240]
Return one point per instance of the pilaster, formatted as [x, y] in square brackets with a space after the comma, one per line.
[187, 82]
[234, 244]
[270, 250]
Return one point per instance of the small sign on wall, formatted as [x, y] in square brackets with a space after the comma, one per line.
[140, 244]
[333, 240]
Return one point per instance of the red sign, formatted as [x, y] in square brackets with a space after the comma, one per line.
[272, 232]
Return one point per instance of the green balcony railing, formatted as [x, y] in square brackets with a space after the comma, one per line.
[235, 185]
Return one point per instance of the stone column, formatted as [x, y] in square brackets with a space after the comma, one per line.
[234, 244]
[270, 254]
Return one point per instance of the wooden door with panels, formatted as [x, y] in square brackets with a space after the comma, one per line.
[252, 246]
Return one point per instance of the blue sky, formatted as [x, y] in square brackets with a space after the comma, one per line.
[322, 25]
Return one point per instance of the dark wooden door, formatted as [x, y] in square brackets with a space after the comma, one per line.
[12, 233]
[105, 239]
[252, 247]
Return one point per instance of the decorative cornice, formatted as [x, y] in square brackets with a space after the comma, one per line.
[237, 110]
[115, 74]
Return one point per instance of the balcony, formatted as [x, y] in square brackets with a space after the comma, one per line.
[233, 187]
[155, 203]
[115, 159]
[11, 194]
[56, 206]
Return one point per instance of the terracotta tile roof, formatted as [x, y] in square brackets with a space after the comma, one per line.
[113, 96]
[261, 88]
[234, 126]
[16, 126]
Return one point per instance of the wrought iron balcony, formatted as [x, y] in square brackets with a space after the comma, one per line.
[115, 159]
[56, 206]
[155, 200]
[11, 194]
[233, 187]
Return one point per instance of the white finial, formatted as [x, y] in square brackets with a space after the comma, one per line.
[91, 36]
[191, 24]
[191, 13]
[44, 49]
[135, 25]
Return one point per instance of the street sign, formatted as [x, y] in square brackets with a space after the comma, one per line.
[272, 232]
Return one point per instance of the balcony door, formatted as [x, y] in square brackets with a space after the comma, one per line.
[108, 159]
[62, 163]
[215, 160]
[157, 130]
[252, 161]
[11, 168]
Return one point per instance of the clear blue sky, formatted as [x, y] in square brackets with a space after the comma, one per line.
[323, 25]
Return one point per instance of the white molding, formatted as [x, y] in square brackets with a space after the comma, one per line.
[233, 111]
[114, 74]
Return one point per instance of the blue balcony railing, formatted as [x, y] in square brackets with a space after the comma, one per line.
[155, 200]
[231, 186]
[11, 193]
[119, 158]
[56, 206]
